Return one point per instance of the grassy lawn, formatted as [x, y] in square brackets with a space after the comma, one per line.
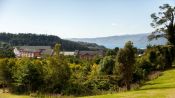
[7, 95]
[162, 87]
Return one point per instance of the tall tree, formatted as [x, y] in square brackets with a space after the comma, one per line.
[57, 50]
[106, 65]
[56, 72]
[125, 62]
[164, 24]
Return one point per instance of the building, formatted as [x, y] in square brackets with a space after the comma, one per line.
[43, 51]
[89, 54]
[32, 51]
[68, 53]
[83, 54]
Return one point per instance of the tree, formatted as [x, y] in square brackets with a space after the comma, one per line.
[163, 22]
[56, 72]
[112, 52]
[106, 65]
[57, 50]
[126, 60]
[116, 49]
[6, 51]
[34, 77]
[19, 72]
[23, 39]
[5, 72]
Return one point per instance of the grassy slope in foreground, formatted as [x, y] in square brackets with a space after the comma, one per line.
[6, 95]
[162, 87]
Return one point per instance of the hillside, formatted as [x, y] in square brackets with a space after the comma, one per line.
[162, 87]
[29, 39]
[92, 46]
[139, 40]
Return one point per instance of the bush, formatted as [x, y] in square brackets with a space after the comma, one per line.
[107, 65]
[161, 57]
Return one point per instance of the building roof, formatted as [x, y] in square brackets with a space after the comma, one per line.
[45, 50]
[90, 53]
[33, 47]
[68, 53]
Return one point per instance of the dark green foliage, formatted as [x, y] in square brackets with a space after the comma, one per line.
[146, 66]
[107, 65]
[56, 72]
[92, 46]
[112, 52]
[24, 75]
[155, 58]
[30, 75]
[125, 63]
[29, 39]
[152, 56]
[164, 24]
[103, 85]
[97, 60]
[73, 76]
[142, 68]
[161, 57]
[73, 60]
[34, 78]
[27, 75]
[5, 73]
[55, 75]
[6, 51]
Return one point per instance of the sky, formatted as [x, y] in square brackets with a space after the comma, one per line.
[78, 18]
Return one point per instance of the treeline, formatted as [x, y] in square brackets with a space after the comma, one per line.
[29, 39]
[73, 76]
[6, 51]
[92, 46]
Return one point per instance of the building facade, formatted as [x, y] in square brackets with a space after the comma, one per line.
[89, 54]
[32, 51]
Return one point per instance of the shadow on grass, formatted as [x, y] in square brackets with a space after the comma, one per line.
[154, 88]
[151, 83]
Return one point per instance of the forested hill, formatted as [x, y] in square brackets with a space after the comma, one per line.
[29, 39]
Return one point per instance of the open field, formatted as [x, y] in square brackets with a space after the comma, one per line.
[162, 87]
[6, 95]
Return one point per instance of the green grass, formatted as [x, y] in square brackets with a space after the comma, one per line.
[7, 95]
[162, 87]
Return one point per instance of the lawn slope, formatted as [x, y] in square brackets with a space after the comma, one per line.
[8, 95]
[162, 87]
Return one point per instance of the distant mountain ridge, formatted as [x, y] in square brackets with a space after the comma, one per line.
[29, 39]
[139, 40]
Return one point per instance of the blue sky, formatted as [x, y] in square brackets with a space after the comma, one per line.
[78, 18]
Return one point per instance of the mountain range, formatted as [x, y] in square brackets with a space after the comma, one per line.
[139, 40]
